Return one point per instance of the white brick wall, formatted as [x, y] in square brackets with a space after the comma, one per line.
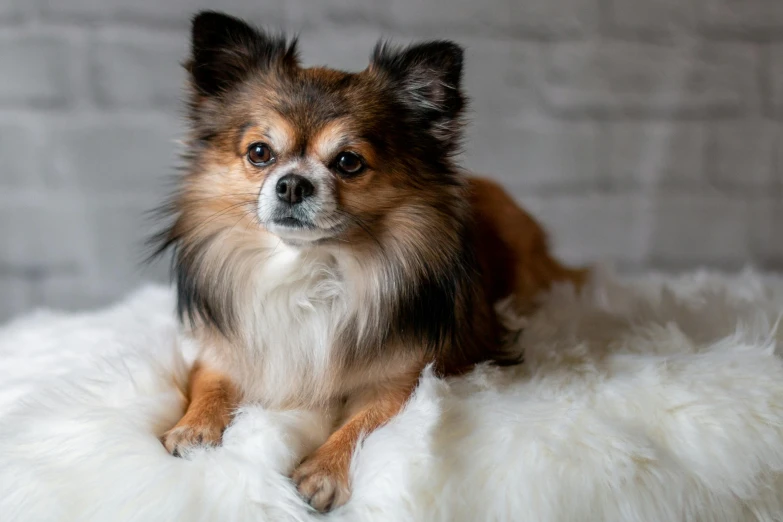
[610, 78]
[14, 10]
[35, 70]
[773, 75]
[649, 155]
[113, 152]
[117, 55]
[748, 18]
[649, 132]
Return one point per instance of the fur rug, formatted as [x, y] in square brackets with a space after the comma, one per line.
[645, 399]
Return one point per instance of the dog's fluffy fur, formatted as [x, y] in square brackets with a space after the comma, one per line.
[327, 247]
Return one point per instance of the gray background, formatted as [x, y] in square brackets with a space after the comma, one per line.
[644, 132]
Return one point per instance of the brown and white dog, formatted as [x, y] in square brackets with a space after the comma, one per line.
[326, 245]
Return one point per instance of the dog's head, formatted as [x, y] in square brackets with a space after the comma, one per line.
[313, 155]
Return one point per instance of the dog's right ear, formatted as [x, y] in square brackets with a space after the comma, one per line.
[225, 51]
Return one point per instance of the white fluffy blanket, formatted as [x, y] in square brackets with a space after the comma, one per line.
[646, 399]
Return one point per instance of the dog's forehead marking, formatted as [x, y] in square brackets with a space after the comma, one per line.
[282, 135]
[310, 113]
[330, 138]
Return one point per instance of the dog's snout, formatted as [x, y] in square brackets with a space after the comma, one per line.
[293, 189]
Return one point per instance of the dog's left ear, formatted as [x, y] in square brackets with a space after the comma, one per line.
[428, 79]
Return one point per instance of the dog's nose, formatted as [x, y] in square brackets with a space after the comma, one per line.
[293, 189]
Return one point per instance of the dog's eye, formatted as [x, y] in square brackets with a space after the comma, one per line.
[259, 154]
[349, 163]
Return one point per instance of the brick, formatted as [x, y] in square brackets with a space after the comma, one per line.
[741, 155]
[14, 10]
[534, 18]
[340, 49]
[44, 236]
[652, 17]
[629, 79]
[774, 75]
[100, 242]
[688, 230]
[500, 79]
[131, 68]
[452, 15]
[653, 154]
[82, 254]
[83, 292]
[115, 154]
[76, 292]
[20, 153]
[766, 218]
[592, 227]
[168, 12]
[349, 16]
[120, 230]
[777, 173]
[15, 297]
[535, 153]
[753, 19]
[37, 71]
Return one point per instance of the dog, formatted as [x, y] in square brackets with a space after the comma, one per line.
[327, 247]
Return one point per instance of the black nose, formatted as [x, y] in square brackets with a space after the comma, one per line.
[293, 188]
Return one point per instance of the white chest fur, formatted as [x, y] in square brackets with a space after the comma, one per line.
[290, 309]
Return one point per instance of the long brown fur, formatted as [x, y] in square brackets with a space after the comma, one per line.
[384, 270]
[514, 249]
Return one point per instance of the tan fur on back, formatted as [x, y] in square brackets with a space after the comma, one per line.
[513, 248]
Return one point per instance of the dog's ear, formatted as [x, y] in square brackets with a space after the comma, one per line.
[226, 50]
[427, 78]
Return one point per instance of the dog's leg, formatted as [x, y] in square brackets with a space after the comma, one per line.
[323, 477]
[212, 400]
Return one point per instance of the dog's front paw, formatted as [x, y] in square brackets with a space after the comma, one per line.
[322, 481]
[184, 435]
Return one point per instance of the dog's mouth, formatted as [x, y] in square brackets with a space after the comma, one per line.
[299, 232]
[294, 223]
